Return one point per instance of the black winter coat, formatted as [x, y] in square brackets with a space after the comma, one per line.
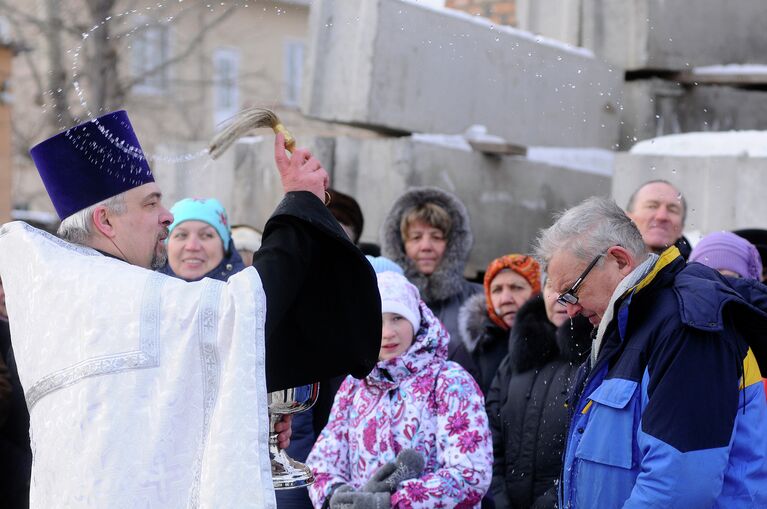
[526, 406]
[484, 344]
[15, 449]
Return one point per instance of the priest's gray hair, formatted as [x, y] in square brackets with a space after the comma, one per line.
[78, 227]
[588, 229]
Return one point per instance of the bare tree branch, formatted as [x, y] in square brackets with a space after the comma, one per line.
[24, 17]
[58, 79]
[188, 50]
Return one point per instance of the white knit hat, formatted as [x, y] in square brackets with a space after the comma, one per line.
[246, 237]
[401, 297]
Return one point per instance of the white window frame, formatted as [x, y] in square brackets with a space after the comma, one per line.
[150, 47]
[226, 88]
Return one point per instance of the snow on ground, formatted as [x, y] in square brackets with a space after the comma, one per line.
[706, 144]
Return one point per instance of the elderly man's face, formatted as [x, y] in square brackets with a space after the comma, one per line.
[596, 289]
[658, 214]
[142, 228]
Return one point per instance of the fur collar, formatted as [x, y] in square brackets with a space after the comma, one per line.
[448, 279]
[474, 326]
[534, 340]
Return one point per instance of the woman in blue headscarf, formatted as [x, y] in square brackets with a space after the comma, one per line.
[200, 242]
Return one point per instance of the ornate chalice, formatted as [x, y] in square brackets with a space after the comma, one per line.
[288, 473]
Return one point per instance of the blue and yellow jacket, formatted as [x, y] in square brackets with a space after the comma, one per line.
[673, 413]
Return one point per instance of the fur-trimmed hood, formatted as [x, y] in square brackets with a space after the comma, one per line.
[535, 341]
[448, 279]
[473, 323]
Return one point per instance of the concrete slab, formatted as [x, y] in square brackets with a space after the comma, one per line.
[404, 67]
[657, 107]
[674, 35]
[551, 18]
[509, 198]
[722, 192]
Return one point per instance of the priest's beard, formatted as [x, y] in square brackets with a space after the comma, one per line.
[159, 260]
[160, 255]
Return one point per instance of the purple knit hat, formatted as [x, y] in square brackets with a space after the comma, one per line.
[725, 250]
[91, 162]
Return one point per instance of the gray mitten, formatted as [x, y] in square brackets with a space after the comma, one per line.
[377, 483]
[332, 502]
[360, 500]
[408, 465]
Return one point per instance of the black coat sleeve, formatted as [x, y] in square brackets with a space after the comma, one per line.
[496, 397]
[323, 310]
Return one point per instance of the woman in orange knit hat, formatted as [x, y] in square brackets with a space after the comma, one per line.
[485, 319]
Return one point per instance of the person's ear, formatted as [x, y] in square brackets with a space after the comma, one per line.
[623, 258]
[102, 221]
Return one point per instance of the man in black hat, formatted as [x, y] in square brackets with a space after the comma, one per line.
[147, 390]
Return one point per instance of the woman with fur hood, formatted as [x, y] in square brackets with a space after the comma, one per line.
[526, 402]
[413, 399]
[486, 319]
[427, 233]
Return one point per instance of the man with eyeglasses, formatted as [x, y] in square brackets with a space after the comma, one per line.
[669, 410]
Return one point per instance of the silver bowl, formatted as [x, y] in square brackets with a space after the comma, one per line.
[288, 473]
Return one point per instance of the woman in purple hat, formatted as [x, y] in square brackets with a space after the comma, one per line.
[729, 254]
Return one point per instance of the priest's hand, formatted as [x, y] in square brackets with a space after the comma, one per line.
[284, 431]
[300, 171]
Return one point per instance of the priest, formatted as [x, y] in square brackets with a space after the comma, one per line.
[148, 391]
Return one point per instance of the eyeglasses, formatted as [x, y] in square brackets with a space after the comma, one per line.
[570, 297]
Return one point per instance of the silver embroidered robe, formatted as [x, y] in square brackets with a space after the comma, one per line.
[144, 391]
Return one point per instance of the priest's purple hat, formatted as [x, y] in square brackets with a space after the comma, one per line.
[91, 162]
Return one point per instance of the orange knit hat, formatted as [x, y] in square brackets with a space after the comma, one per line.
[525, 266]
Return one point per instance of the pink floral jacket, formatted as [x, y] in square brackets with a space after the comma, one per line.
[419, 400]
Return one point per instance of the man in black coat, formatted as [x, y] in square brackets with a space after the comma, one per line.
[15, 451]
[526, 403]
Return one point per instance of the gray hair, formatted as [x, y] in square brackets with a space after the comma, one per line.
[633, 197]
[589, 229]
[78, 227]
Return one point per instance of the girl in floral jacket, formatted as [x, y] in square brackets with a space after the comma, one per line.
[413, 399]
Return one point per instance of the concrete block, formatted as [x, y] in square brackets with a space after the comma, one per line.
[244, 179]
[183, 170]
[674, 35]
[558, 19]
[404, 67]
[509, 198]
[722, 192]
[658, 107]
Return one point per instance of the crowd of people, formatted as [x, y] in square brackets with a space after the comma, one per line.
[603, 369]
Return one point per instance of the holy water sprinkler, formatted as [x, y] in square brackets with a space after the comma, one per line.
[244, 122]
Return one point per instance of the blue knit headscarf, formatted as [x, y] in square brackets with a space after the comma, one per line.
[208, 211]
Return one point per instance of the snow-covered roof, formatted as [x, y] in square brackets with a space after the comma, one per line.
[736, 69]
[590, 160]
[729, 143]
